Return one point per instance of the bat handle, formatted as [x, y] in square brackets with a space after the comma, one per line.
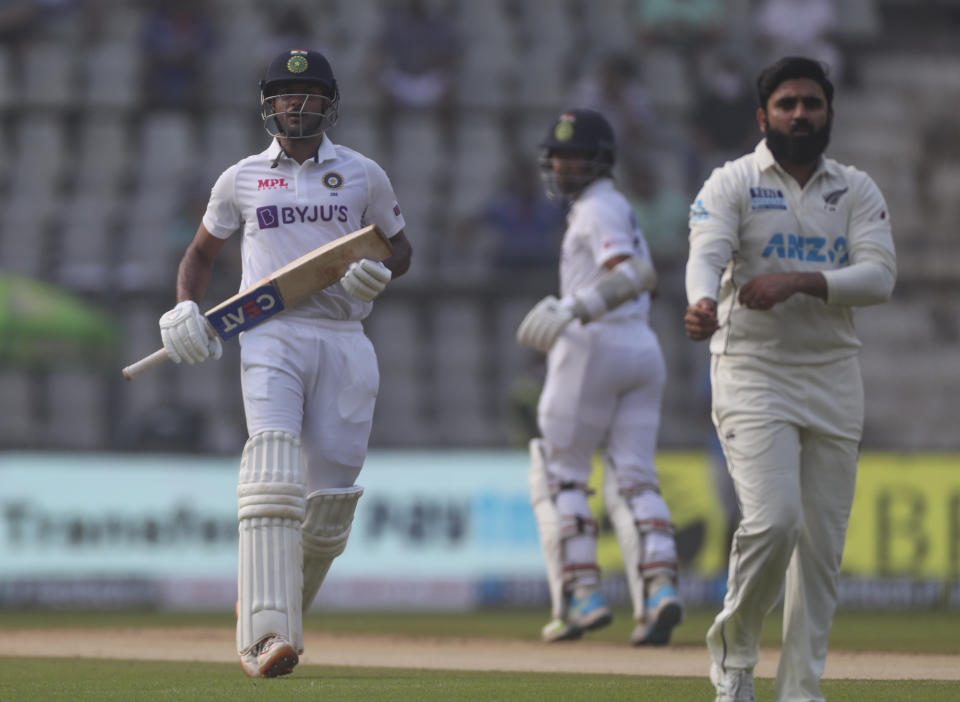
[145, 364]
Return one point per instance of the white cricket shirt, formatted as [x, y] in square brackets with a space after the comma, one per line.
[752, 218]
[601, 225]
[287, 211]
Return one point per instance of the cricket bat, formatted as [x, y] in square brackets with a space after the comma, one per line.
[284, 288]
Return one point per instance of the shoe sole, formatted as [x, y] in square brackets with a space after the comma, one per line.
[597, 621]
[281, 662]
[659, 632]
[571, 634]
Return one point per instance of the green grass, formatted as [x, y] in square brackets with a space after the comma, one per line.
[43, 680]
[28, 679]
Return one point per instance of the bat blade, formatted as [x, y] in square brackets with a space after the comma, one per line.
[284, 288]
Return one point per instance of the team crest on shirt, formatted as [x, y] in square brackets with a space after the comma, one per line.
[767, 199]
[698, 212]
[831, 199]
[332, 180]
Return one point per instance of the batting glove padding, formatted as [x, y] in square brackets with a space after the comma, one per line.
[365, 279]
[543, 324]
[187, 336]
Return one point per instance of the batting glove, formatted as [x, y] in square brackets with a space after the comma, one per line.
[365, 279]
[543, 324]
[187, 336]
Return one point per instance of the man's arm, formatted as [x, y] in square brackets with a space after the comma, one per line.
[765, 291]
[871, 274]
[700, 320]
[184, 330]
[196, 266]
[399, 261]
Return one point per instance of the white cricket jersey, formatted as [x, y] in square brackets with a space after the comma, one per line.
[601, 225]
[752, 218]
[287, 211]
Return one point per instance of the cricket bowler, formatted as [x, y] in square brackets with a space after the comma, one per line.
[784, 245]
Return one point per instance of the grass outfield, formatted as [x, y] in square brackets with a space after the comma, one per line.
[29, 679]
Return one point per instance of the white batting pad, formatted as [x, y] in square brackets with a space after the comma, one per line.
[548, 525]
[641, 520]
[326, 528]
[271, 500]
[625, 527]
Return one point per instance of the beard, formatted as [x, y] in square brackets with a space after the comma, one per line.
[798, 149]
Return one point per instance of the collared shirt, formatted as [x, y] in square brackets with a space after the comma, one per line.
[752, 218]
[600, 226]
[287, 211]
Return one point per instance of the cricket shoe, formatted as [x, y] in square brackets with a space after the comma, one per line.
[664, 612]
[560, 630]
[271, 658]
[732, 684]
[588, 610]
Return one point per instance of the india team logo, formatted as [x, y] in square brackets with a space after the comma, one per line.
[332, 180]
[297, 63]
[564, 130]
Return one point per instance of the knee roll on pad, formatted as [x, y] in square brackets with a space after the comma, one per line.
[659, 554]
[562, 513]
[326, 528]
[271, 499]
[641, 521]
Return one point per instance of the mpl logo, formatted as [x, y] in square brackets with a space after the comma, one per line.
[247, 311]
[271, 183]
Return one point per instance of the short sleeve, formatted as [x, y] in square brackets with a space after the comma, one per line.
[222, 217]
[382, 208]
[612, 229]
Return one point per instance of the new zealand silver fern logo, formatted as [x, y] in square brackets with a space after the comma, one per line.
[832, 198]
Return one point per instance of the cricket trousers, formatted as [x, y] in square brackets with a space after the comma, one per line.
[317, 379]
[791, 436]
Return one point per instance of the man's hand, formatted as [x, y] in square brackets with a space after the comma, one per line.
[543, 324]
[765, 291]
[365, 279]
[187, 336]
[700, 320]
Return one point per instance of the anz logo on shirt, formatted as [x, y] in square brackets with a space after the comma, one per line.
[807, 248]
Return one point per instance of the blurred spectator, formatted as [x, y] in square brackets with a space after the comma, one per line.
[799, 28]
[688, 27]
[22, 20]
[722, 119]
[178, 36]
[416, 62]
[288, 26]
[523, 226]
[678, 21]
[661, 211]
[614, 88]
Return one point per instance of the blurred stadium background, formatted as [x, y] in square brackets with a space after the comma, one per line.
[118, 116]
